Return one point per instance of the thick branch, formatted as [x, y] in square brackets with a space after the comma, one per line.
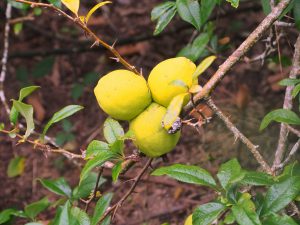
[240, 52]
[288, 104]
[240, 136]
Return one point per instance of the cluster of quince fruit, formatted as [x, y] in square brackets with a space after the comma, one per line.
[148, 106]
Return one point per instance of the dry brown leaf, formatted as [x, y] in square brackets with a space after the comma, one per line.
[242, 97]
[36, 101]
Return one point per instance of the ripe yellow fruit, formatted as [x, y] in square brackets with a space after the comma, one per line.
[149, 135]
[122, 94]
[162, 77]
[189, 220]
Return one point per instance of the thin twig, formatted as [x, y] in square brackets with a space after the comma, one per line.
[95, 190]
[136, 180]
[288, 104]
[290, 155]
[29, 17]
[4, 58]
[240, 52]
[84, 27]
[239, 135]
[294, 131]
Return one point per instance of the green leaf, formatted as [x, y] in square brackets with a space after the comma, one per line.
[27, 112]
[56, 3]
[60, 115]
[34, 223]
[279, 195]
[205, 63]
[244, 211]
[106, 221]
[16, 166]
[194, 51]
[207, 213]
[117, 147]
[289, 82]
[116, 170]
[6, 215]
[257, 179]
[207, 7]
[100, 208]
[77, 91]
[266, 6]
[112, 130]
[95, 147]
[18, 28]
[87, 185]
[229, 218]
[78, 217]
[296, 11]
[24, 92]
[62, 215]
[174, 110]
[43, 68]
[97, 6]
[230, 173]
[274, 219]
[33, 209]
[98, 160]
[234, 3]
[292, 169]
[160, 9]
[189, 11]
[281, 116]
[296, 90]
[164, 20]
[19, 5]
[188, 174]
[2, 126]
[59, 186]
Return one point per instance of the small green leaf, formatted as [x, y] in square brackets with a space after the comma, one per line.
[205, 63]
[33, 209]
[6, 215]
[206, 9]
[244, 211]
[229, 218]
[24, 92]
[289, 82]
[19, 5]
[96, 147]
[279, 195]
[97, 6]
[16, 166]
[59, 186]
[27, 112]
[43, 68]
[60, 115]
[207, 213]
[18, 28]
[100, 208]
[164, 20]
[2, 126]
[296, 90]
[116, 170]
[87, 185]
[234, 3]
[160, 9]
[189, 11]
[72, 5]
[281, 116]
[117, 147]
[274, 219]
[77, 91]
[62, 215]
[112, 130]
[173, 110]
[257, 179]
[230, 173]
[90, 78]
[188, 174]
[78, 217]
[194, 51]
[98, 160]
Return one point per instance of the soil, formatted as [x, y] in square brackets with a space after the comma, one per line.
[245, 95]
